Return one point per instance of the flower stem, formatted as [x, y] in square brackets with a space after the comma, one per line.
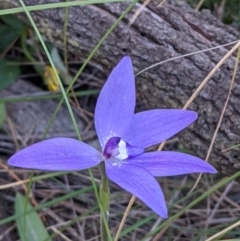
[104, 198]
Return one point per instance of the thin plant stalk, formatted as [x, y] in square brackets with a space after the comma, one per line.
[104, 196]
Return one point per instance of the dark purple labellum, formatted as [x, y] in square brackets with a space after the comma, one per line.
[118, 148]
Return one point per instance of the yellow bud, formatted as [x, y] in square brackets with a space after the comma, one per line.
[51, 79]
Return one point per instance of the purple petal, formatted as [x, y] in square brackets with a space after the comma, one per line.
[154, 126]
[140, 183]
[57, 154]
[116, 102]
[167, 163]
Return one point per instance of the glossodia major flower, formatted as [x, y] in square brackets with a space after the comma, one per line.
[123, 136]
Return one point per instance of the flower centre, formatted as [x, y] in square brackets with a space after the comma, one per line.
[117, 148]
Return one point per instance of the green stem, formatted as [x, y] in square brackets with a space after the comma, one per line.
[104, 199]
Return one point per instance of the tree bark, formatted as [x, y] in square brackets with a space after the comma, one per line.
[158, 34]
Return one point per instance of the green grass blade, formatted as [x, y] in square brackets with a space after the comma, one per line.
[44, 96]
[53, 66]
[55, 5]
[34, 230]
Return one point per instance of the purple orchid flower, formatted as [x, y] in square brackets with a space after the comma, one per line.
[123, 136]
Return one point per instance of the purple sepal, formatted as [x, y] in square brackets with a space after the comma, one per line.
[154, 126]
[116, 102]
[140, 183]
[57, 154]
[169, 163]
